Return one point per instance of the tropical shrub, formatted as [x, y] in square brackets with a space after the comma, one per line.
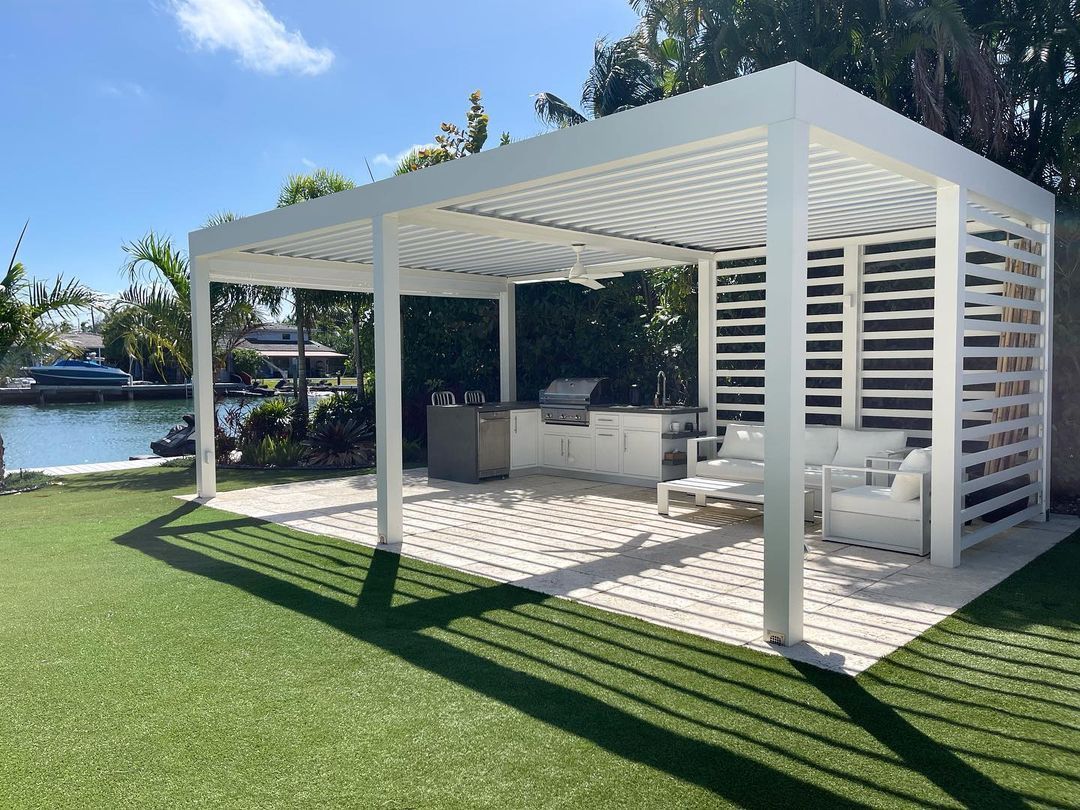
[341, 443]
[270, 451]
[412, 451]
[271, 418]
[247, 361]
[341, 407]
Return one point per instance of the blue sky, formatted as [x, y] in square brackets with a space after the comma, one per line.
[126, 115]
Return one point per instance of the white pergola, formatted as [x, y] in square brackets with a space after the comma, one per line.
[784, 167]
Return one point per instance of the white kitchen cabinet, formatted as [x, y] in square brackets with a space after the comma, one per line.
[554, 450]
[579, 453]
[641, 453]
[524, 439]
[608, 449]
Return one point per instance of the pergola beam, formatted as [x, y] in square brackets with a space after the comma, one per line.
[319, 274]
[549, 235]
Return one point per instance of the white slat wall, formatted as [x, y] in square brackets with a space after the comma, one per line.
[985, 300]
[880, 374]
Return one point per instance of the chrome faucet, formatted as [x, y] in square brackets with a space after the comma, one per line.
[661, 393]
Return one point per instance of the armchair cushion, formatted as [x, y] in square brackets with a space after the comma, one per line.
[855, 446]
[876, 501]
[906, 487]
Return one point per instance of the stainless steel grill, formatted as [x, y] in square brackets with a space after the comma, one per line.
[566, 400]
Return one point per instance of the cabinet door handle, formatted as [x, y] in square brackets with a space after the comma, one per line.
[624, 442]
[568, 448]
[562, 447]
[515, 423]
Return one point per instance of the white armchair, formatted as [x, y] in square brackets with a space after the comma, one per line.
[871, 514]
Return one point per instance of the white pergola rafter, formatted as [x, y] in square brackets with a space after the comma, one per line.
[766, 166]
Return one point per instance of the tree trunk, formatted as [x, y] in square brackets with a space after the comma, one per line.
[301, 361]
[355, 307]
[2, 472]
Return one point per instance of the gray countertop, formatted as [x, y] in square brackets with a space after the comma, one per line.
[520, 405]
[667, 409]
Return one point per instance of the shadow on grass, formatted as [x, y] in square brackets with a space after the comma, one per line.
[757, 731]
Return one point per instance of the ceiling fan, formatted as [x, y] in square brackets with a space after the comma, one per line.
[579, 274]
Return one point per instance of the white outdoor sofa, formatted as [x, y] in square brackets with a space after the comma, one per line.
[870, 487]
[741, 455]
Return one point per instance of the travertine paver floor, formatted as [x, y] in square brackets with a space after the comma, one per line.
[698, 570]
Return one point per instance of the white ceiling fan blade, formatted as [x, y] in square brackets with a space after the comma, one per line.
[587, 281]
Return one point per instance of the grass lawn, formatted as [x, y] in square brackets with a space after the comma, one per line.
[158, 654]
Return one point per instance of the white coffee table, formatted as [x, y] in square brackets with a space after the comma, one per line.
[734, 491]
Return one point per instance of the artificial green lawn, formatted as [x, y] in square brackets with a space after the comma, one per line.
[158, 654]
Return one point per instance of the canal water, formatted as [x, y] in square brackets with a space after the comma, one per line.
[58, 435]
[86, 433]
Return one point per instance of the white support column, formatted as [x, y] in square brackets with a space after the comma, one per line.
[1048, 363]
[508, 344]
[202, 382]
[852, 338]
[785, 373]
[388, 378]
[706, 341]
[950, 257]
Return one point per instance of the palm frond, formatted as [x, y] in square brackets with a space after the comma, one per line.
[153, 257]
[18, 244]
[61, 298]
[555, 112]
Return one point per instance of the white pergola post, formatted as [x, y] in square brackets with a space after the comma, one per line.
[706, 341]
[946, 475]
[1047, 337]
[852, 338]
[202, 379]
[389, 469]
[785, 378]
[508, 344]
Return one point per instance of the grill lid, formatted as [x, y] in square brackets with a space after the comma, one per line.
[577, 390]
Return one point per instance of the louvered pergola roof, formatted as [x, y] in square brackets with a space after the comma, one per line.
[671, 183]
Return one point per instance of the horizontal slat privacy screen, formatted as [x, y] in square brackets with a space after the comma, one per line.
[870, 358]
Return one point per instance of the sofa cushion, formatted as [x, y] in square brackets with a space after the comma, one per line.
[743, 441]
[855, 446]
[841, 479]
[877, 501]
[821, 445]
[907, 487]
[732, 469]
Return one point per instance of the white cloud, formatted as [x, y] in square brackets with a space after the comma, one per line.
[121, 89]
[260, 40]
[391, 161]
[311, 164]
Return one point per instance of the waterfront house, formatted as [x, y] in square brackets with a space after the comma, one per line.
[276, 343]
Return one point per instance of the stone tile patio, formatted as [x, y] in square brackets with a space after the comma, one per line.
[698, 570]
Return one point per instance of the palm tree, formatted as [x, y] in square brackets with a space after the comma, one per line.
[153, 315]
[300, 188]
[27, 311]
[622, 76]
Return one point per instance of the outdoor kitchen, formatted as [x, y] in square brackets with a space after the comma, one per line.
[576, 428]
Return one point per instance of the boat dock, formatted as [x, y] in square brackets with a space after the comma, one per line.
[44, 394]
